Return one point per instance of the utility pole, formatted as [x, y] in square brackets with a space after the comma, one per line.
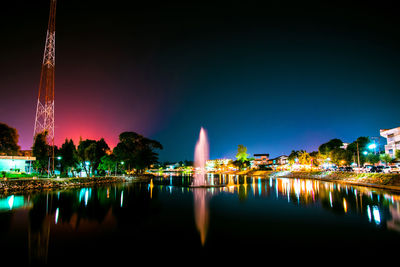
[358, 157]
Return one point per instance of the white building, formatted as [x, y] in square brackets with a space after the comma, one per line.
[215, 163]
[16, 163]
[393, 140]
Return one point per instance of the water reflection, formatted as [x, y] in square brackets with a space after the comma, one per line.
[13, 202]
[77, 210]
[126, 207]
[201, 211]
[378, 206]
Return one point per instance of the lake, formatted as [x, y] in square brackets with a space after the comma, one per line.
[165, 219]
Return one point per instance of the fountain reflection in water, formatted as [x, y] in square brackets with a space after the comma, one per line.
[201, 212]
[201, 196]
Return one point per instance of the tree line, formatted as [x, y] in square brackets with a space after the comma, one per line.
[334, 152]
[133, 153]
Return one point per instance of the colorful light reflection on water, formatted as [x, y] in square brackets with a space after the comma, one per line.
[168, 214]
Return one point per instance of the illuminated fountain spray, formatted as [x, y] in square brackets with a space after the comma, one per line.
[201, 154]
[201, 196]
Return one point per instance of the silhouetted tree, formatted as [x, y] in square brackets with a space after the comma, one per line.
[332, 144]
[8, 140]
[293, 156]
[69, 157]
[41, 150]
[136, 151]
[90, 153]
[362, 146]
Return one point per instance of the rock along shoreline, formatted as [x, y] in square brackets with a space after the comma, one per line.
[376, 180]
[386, 181]
[21, 185]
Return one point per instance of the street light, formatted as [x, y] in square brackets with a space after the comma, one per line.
[48, 167]
[372, 146]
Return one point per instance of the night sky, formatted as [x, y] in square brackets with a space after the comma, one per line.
[271, 75]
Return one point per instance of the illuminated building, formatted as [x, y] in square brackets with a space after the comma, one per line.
[281, 160]
[260, 159]
[215, 163]
[393, 140]
[16, 163]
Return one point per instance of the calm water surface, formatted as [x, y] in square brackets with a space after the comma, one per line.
[248, 218]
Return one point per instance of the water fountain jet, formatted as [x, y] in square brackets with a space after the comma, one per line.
[201, 155]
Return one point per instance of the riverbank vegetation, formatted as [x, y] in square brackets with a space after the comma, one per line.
[133, 154]
[359, 152]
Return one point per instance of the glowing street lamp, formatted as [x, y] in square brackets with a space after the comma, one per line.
[372, 146]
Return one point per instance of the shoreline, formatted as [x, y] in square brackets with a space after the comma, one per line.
[385, 181]
[25, 185]
[374, 180]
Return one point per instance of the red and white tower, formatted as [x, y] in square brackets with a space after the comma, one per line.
[44, 120]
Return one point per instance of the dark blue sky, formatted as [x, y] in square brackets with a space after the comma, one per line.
[271, 75]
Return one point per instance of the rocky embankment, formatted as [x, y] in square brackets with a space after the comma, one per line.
[380, 180]
[31, 184]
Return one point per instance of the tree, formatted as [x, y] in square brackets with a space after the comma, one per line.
[362, 146]
[41, 150]
[136, 151]
[69, 157]
[327, 147]
[385, 158]
[90, 153]
[340, 156]
[397, 154]
[304, 158]
[294, 155]
[86, 154]
[102, 149]
[242, 153]
[372, 158]
[8, 140]
[317, 158]
[108, 163]
[242, 158]
[241, 164]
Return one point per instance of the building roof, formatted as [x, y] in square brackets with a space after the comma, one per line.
[386, 132]
[282, 156]
[18, 157]
[259, 155]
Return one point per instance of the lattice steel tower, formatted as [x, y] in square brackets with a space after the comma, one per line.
[44, 120]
